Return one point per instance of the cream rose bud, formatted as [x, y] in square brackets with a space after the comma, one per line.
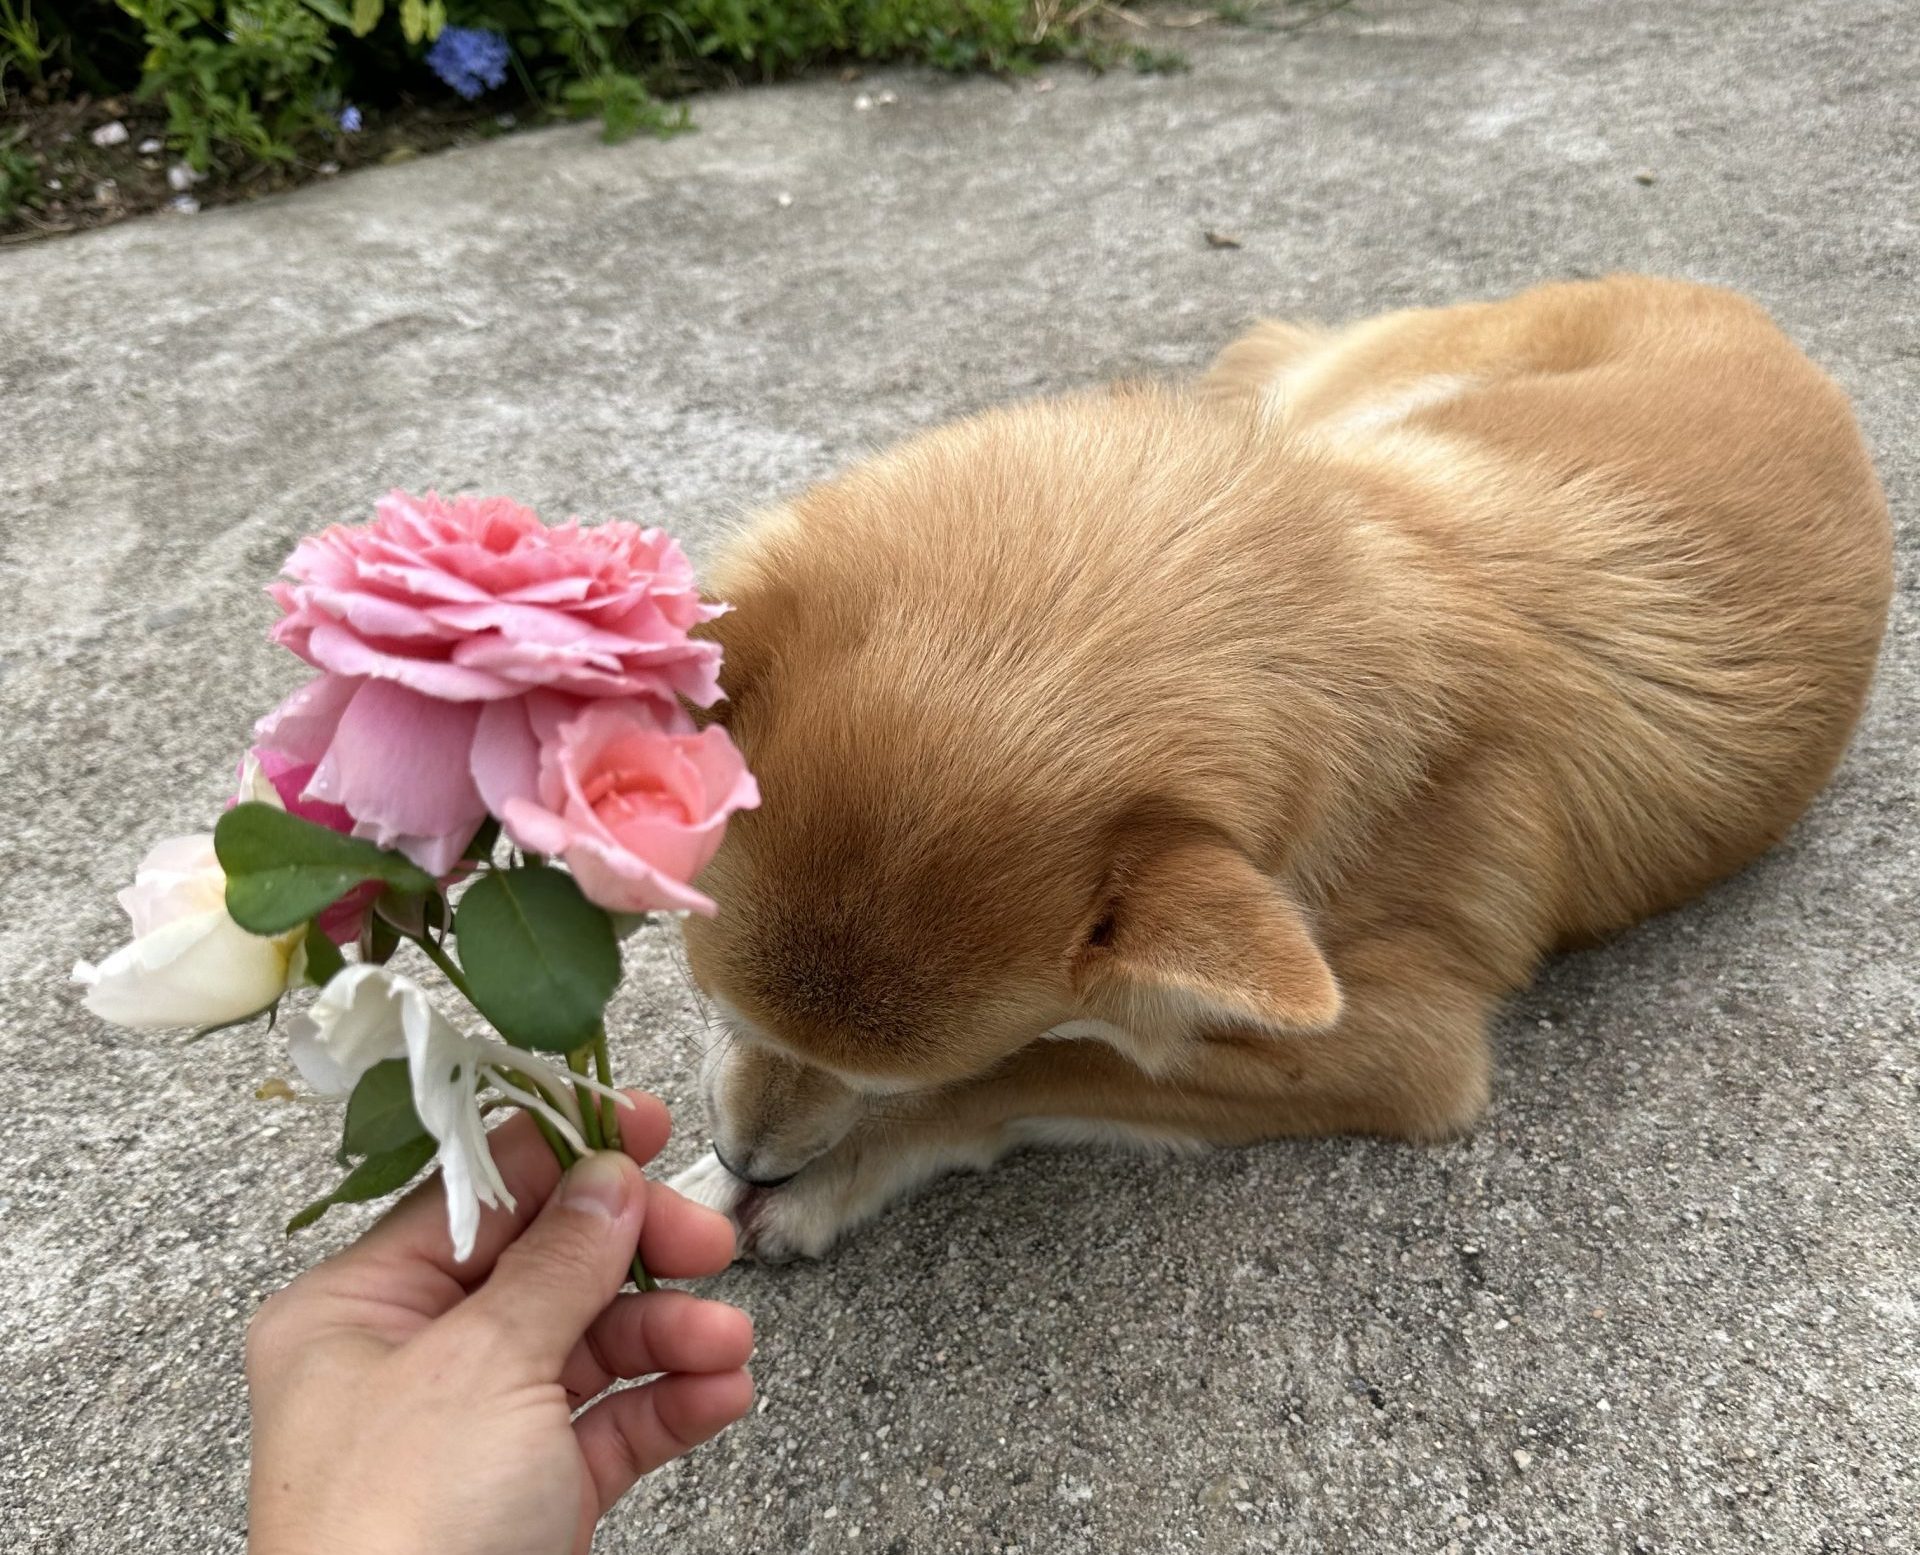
[189, 963]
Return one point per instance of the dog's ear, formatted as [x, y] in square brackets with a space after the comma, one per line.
[1194, 935]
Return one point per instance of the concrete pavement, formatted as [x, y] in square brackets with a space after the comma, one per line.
[1665, 1300]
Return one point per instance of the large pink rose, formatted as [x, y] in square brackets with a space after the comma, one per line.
[636, 810]
[451, 636]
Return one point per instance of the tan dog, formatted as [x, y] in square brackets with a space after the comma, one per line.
[1203, 767]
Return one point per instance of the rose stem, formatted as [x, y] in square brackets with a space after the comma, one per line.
[603, 1071]
[610, 1128]
[445, 962]
[577, 1061]
[602, 1130]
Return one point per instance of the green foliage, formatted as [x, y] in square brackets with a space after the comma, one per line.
[323, 956]
[373, 1178]
[281, 870]
[25, 50]
[380, 1114]
[238, 77]
[540, 959]
[776, 36]
[385, 1132]
[246, 82]
[19, 175]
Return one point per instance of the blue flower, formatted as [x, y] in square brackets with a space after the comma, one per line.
[350, 119]
[469, 59]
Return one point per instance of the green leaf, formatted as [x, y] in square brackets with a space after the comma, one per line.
[282, 870]
[541, 959]
[323, 957]
[365, 14]
[411, 912]
[380, 1115]
[373, 1178]
[378, 940]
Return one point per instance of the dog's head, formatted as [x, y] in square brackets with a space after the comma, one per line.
[978, 827]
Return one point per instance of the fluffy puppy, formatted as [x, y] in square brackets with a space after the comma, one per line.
[1202, 766]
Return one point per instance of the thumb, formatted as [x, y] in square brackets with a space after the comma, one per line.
[566, 1266]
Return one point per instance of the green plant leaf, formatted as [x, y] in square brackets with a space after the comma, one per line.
[323, 956]
[380, 1115]
[366, 14]
[378, 940]
[373, 1178]
[411, 912]
[540, 958]
[282, 870]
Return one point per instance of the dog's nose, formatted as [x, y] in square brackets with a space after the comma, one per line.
[745, 1174]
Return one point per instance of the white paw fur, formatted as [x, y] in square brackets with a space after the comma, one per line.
[800, 1220]
[708, 1182]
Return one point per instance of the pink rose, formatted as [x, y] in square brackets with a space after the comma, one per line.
[289, 780]
[636, 810]
[453, 636]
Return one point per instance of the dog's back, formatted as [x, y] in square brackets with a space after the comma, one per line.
[1669, 516]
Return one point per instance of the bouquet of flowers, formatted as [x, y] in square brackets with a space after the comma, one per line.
[494, 763]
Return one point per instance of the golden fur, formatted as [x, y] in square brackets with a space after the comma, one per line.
[1204, 766]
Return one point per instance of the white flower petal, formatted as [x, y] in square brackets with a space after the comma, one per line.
[353, 1025]
[444, 1064]
[179, 878]
[463, 1204]
[255, 786]
[548, 1071]
[203, 970]
[566, 1128]
[367, 1014]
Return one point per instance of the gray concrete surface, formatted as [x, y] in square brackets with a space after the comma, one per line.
[1665, 1300]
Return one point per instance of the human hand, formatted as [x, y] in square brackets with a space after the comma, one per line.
[403, 1402]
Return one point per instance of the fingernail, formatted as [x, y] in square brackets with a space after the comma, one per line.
[597, 1184]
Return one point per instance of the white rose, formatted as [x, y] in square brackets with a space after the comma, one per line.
[189, 963]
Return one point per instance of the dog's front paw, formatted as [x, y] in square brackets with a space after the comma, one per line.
[801, 1219]
[708, 1182]
[773, 1225]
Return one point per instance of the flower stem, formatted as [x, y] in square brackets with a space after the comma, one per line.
[603, 1072]
[598, 1125]
[444, 961]
[577, 1061]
